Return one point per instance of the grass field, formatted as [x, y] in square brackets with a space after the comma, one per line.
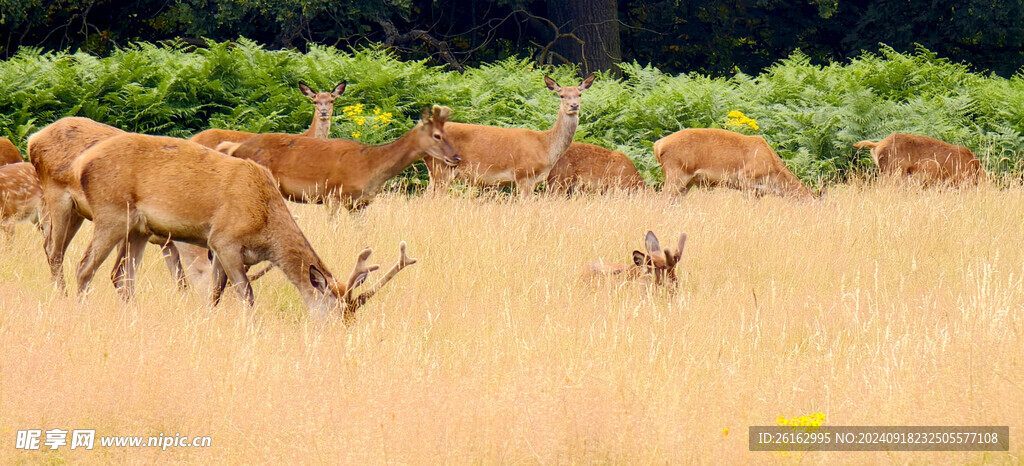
[878, 305]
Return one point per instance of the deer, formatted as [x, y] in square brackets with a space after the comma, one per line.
[511, 156]
[657, 264]
[348, 172]
[51, 152]
[927, 159]
[712, 156]
[20, 196]
[9, 153]
[586, 167]
[323, 109]
[135, 186]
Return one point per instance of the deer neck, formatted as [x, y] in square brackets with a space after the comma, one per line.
[393, 158]
[320, 128]
[292, 253]
[561, 134]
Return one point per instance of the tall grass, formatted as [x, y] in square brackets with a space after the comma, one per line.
[894, 306]
[812, 114]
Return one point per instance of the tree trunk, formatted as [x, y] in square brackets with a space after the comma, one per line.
[596, 24]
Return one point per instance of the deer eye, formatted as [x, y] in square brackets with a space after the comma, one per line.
[437, 137]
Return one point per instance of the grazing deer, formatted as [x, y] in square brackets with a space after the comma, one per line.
[323, 109]
[587, 167]
[719, 157]
[503, 156]
[657, 263]
[930, 160]
[51, 151]
[137, 186]
[20, 195]
[316, 170]
[9, 153]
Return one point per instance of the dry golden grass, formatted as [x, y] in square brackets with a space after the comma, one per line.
[875, 306]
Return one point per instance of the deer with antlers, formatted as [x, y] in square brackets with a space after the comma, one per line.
[657, 264]
[504, 156]
[323, 109]
[315, 170]
[171, 188]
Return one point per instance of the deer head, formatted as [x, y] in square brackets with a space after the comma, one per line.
[570, 95]
[330, 296]
[323, 102]
[657, 261]
[431, 137]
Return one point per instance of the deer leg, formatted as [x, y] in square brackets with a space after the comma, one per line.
[173, 260]
[103, 241]
[233, 266]
[136, 246]
[218, 281]
[525, 187]
[61, 225]
[678, 185]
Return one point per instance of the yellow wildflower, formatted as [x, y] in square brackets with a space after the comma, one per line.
[356, 134]
[737, 118]
[352, 110]
[725, 431]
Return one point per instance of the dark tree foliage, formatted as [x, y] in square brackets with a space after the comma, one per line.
[709, 36]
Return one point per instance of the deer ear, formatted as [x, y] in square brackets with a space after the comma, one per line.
[317, 279]
[551, 83]
[682, 243]
[651, 243]
[306, 91]
[640, 259]
[585, 84]
[339, 89]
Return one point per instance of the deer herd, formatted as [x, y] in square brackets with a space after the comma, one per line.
[215, 203]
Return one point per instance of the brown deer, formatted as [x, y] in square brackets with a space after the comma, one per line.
[656, 264]
[136, 186]
[586, 167]
[504, 156]
[718, 157]
[20, 195]
[9, 153]
[929, 160]
[323, 109]
[316, 170]
[51, 151]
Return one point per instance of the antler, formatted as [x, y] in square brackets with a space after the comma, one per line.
[359, 273]
[403, 261]
[441, 112]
